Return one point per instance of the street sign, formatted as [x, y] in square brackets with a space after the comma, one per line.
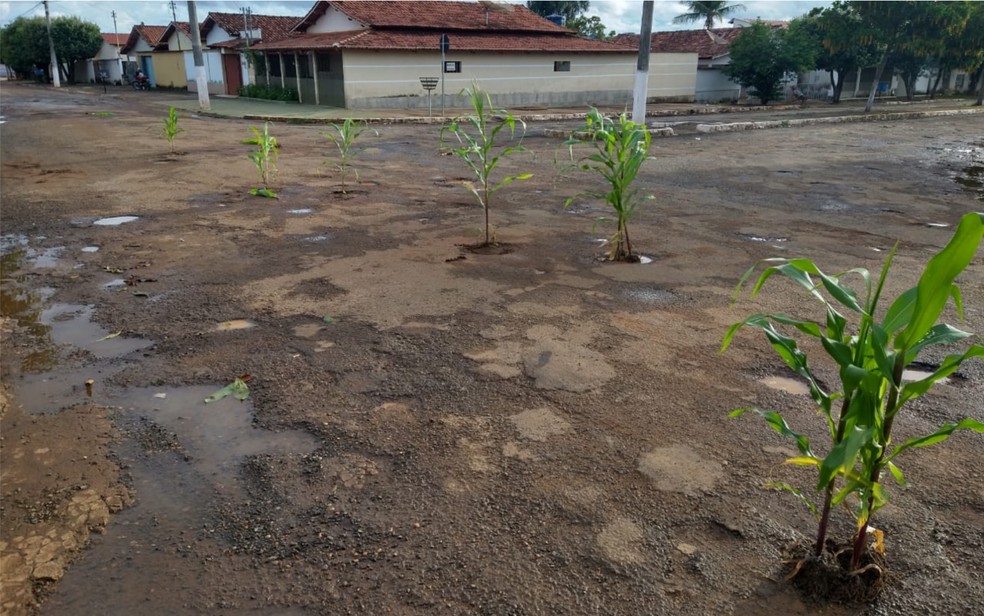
[429, 83]
[445, 43]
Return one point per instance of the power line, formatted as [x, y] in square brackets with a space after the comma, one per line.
[28, 11]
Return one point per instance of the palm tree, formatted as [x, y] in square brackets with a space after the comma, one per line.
[709, 11]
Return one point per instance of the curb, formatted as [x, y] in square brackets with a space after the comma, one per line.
[876, 117]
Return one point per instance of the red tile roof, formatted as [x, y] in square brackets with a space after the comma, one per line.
[435, 15]
[150, 34]
[115, 39]
[271, 27]
[412, 40]
[708, 44]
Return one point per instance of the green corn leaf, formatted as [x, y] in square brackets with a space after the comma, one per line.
[777, 423]
[779, 485]
[938, 334]
[238, 388]
[916, 389]
[941, 434]
[841, 458]
[897, 474]
[935, 284]
[840, 352]
[900, 311]
[842, 294]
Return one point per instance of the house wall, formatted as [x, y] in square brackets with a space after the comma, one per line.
[713, 86]
[392, 79]
[169, 69]
[334, 21]
[179, 41]
[216, 35]
[213, 71]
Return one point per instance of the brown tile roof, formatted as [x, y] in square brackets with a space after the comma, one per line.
[184, 26]
[435, 15]
[708, 44]
[115, 39]
[150, 34]
[271, 27]
[413, 40]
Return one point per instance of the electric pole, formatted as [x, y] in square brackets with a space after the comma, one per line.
[174, 20]
[196, 47]
[55, 77]
[247, 18]
[116, 37]
[642, 66]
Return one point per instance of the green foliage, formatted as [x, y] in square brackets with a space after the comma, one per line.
[569, 9]
[24, 44]
[708, 11]
[269, 93]
[871, 356]
[75, 40]
[264, 157]
[837, 32]
[344, 138]
[171, 128]
[619, 150]
[476, 136]
[591, 27]
[237, 389]
[762, 55]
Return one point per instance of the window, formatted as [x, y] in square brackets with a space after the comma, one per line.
[562, 66]
[324, 63]
[304, 66]
[959, 85]
[452, 66]
[259, 62]
[290, 70]
[275, 65]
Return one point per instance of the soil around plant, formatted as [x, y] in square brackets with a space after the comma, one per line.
[535, 432]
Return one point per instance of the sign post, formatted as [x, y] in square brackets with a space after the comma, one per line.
[429, 84]
[445, 46]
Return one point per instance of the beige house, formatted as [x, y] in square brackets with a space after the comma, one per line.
[163, 66]
[369, 53]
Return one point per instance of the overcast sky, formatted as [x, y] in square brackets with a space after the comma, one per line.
[618, 15]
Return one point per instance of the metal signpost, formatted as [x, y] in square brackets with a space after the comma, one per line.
[445, 46]
[429, 84]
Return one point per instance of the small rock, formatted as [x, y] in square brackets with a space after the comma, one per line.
[52, 570]
[687, 549]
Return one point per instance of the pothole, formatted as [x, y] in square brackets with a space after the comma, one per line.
[786, 384]
[115, 221]
[648, 295]
[234, 324]
[764, 238]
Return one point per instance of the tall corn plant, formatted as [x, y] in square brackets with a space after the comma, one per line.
[620, 148]
[476, 136]
[265, 158]
[871, 356]
[171, 128]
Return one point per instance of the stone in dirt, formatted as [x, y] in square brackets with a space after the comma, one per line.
[555, 364]
[679, 468]
[621, 542]
[540, 424]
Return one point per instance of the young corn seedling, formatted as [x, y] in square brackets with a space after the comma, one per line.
[620, 149]
[476, 135]
[265, 158]
[171, 128]
[872, 356]
[344, 138]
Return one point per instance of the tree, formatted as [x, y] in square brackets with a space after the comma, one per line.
[569, 10]
[708, 11]
[590, 27]
[25, 42]
[761, 56]
[839, 33]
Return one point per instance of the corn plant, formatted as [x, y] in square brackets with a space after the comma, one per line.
[344, 138]
[476, 135]
[620, 148]
[264, 157]
[871, 356]
[171, 128]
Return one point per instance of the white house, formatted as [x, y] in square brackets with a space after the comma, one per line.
[365, 54]
[109, 61]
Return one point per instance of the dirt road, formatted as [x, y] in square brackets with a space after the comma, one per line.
[430, 430]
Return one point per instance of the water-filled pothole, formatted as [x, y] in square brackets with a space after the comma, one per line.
[786, 384]
[764, 238]
[234, 324]
[114, 221]
[650, 295]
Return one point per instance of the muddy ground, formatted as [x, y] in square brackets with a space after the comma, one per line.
[529, 432]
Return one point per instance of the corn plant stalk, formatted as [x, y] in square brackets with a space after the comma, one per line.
[620, 149]
[266, 153]
[478, 149]
[171, 128]
[871, 364]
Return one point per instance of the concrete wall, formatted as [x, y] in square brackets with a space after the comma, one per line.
[169, 69]
[179, 41]
[213, 71]
[713, 86]
[334, 21]
[392, 79]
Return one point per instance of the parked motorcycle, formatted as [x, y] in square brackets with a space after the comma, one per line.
[141, 83]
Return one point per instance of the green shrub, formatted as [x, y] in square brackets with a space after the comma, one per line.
[268, 92]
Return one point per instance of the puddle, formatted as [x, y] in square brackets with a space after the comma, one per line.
[651, 296]
[234, 324]
[764, 238]
[644, 260]
[303, 210]
[913, 374]
[937, 225]
[47, 258]
[90, 249]
[972, 179]
[316, 238]
[42, 392]
[71, 324]
[114, 221]
[113, 284]
[786, 384]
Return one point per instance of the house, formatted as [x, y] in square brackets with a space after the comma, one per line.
[163, 65]
[712, 49]
[228, 37]
[109, 61]
[369, 53]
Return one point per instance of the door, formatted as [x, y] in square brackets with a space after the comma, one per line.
[147, 63]
[232, 72]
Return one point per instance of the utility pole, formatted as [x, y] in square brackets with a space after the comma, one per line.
[55, 77]
[247, 17]
[174, 20]
[116, 36]
[196, 47]
[642, 66]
